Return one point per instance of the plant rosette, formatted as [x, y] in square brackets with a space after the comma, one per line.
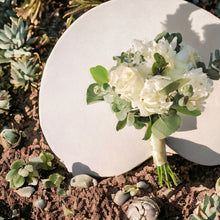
[151, 84]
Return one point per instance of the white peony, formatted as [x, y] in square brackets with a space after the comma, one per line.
[202, 87]
[151, 101]
[128, 82]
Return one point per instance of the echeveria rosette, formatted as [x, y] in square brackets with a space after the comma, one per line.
[150, 85]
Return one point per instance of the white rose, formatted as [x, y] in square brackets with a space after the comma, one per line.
[151, 101]
[202, 87]
[128, 82]
[188, 55]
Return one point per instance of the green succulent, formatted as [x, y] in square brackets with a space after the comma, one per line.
[54, 180]
[4, 101]
[10, 138]
[21, 173]
[209, 208]
[43, 161]
[14, 39]
[23, 71]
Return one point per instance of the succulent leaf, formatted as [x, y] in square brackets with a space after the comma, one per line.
[17, 164]
[4, 101]
[23, 71]
[14, 38]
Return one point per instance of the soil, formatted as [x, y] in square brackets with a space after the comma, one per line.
[95, 202]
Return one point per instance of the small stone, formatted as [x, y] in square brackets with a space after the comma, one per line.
[121, 197]
[83, 180]
[40, 203]
[25, 191]
[143, 208]
[142, 185]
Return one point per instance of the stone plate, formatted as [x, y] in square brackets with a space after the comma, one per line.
[84, 136]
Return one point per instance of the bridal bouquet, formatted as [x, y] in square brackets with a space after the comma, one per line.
[150, 85]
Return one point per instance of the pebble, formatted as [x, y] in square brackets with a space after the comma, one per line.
[142, 185]
[83, 180]
[143, 208]
[40, 203]
[25, 191]
[121, 197]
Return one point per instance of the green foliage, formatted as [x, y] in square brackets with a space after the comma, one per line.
[46, 158]
[131, 189]
[23, 71]
[11, 135]
[169, 38]
[54, 180]
[99, 74]
[4, 101]
[132, 59]
[208, 209]
[160, 65]
[14, 39]
[166, 125]
[20, 173]
[173, 86]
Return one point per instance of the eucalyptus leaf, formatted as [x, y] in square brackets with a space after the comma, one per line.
[121, 115]
[213, 74]
[130, 119]
[148, 131]
[92, 96]
[138, 124]
[17, 164]
[99, 74]
[166, 125]
[121, 124]
[175, 85]
[184, 110]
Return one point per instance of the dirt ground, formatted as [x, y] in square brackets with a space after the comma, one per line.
[94, 202]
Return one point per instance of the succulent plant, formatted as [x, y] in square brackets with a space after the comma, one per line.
[43, 161]
[10, 138]
[4, 101]
[143, 208]
[14, 39]
[21, 173]
[208, 209]
[23, 71]
[54, 180]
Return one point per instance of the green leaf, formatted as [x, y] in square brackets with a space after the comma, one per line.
[164, 34]
[48, 184]
[130, 119]
[17, 164]
[193, 217]
[148, 131]
[99, 74]
[122, 115]
[138, 124]
[61, 192]
[46, 157]
[11, 136]
[166, 125]
[92, 95]
[32, 180]
[173, 86]
[10, 174]
[184, 110]
[56, 178]
[121, 124]
[18, 180]
[213, 74]
[205, 202]
[23, 172]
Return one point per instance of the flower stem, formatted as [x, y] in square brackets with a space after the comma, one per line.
[165, 174]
